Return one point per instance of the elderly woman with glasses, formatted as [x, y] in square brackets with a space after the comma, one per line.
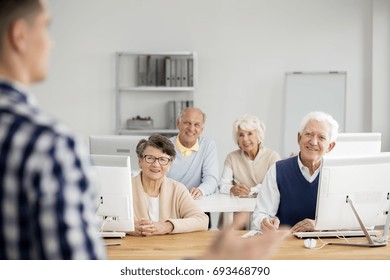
[162, 205]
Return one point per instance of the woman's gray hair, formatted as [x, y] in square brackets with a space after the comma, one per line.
[321, 117]
[156, 141]
[248, 122]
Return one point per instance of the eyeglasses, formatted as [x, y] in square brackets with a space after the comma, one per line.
[161, 160]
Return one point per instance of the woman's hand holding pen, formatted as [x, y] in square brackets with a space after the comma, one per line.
[270, 223]
[239, 189]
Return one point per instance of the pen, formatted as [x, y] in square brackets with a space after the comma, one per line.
[271, 218]
[234, 182]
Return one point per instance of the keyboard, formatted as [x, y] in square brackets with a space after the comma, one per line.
[338, 233]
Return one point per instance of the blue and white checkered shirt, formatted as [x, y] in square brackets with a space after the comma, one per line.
[47, 185]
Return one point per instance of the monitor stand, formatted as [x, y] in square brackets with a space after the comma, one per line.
[371, 240]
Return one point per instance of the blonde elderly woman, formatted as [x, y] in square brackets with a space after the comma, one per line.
[245, 168]
[162, 205]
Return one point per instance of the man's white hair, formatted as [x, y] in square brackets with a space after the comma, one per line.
[321, 117]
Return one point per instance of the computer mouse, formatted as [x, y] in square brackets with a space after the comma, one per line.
[310, 243]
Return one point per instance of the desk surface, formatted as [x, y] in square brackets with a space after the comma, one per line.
[179, 246]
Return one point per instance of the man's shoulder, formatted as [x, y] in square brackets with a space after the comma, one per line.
[206, 141]
[52, 126]
[173, 138]
[43, 133]
[37, 120]
[287, 162]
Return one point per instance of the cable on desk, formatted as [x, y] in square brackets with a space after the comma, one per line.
[107, 219]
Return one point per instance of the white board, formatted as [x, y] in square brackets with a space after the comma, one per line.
[307, 92]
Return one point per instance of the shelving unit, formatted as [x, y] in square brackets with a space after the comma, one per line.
[133, 98]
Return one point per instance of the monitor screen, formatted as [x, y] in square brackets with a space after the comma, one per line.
[365, 180]
[116, 145]
[356, 144]
[115, 199]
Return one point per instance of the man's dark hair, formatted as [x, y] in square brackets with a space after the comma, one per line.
[12, 10]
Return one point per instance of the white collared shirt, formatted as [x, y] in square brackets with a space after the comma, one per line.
[267, 203]
[306, 173]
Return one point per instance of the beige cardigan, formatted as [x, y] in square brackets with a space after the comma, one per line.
[176, 206]
[251, 173]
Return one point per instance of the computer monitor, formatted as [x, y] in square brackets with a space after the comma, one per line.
[115, 198]
[117, 145]
[358, 183]
[356, 144]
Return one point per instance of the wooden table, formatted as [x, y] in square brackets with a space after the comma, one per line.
[179, 246]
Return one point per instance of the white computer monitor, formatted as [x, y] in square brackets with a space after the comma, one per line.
[356, 144]
[115, 198]
[117, 145]
[362, 181]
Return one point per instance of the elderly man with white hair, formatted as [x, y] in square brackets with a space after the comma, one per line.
[288, 195]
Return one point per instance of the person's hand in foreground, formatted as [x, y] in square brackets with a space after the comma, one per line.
[229, 245]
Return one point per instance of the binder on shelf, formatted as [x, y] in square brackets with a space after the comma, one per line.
[147, 74]
[178, 72]
[184, 73]
[142, 70]
[190, 65]
[171, 115]
[178, 109]
[173, 72]
[152, 77]
[167, 61]
[160, 72]
[184, 104]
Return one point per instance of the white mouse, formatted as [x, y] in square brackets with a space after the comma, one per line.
[310, 243]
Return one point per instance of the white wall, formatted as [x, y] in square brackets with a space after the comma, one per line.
[244, 49]
[381, 70]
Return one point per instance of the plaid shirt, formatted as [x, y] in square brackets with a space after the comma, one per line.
[47, 185]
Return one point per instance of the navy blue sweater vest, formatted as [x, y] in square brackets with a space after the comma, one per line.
[298, 197]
